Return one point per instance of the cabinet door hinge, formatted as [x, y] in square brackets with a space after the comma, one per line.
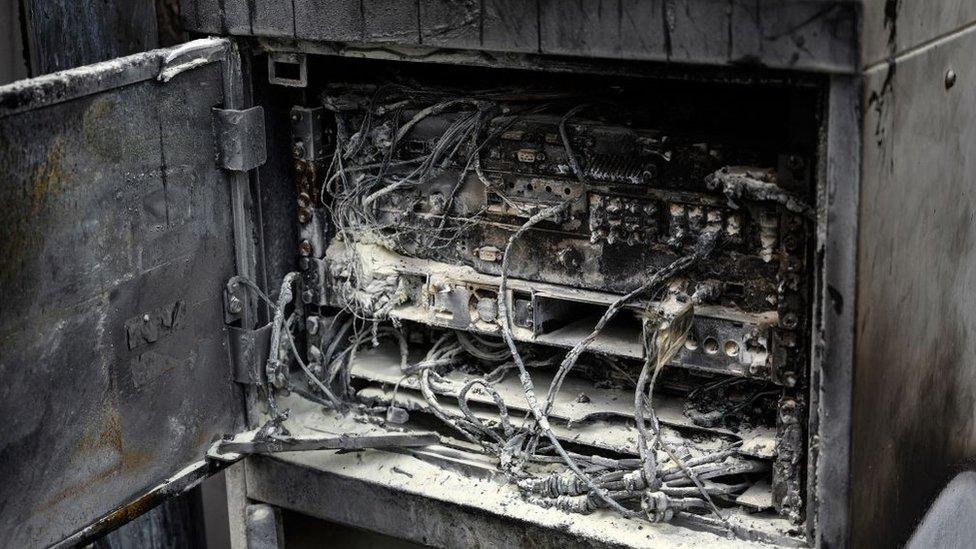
[240, 138]
[248, 351]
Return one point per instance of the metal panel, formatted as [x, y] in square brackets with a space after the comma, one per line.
[915, 373]
[830, 385]
[272, 18]
[451, 23]
[209, 15]
[117, 237]
[391, 494]
[13, 65]
[816, 35]
[510, 25]
[237, 18]
[895, 26]
[63, 34]
[264, 528]
[394, 21]
[809, 34]
[605, 28]
[328, 20]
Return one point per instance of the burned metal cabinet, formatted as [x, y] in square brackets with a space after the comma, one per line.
[914, 371]
[889, 388]
[706, 49]
[885, 327]
[122, 220]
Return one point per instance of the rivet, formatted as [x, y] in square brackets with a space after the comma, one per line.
[950, 78]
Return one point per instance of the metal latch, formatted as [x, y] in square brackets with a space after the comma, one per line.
[248, 351]
[240, 138]
[287, 69]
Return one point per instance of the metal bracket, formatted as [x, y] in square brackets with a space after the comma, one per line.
[236, 302]
[309, 140]
[308, 133]
[240, 138]
[248, 351]
[263, 527]
[259, 441]
[287, 69]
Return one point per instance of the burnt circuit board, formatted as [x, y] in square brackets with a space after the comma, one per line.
[642, 198]
[558, 222]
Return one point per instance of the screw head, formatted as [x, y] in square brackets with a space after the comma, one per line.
[305, 247]
[235, 305]
[790, 243]
[790, 380]
[950, 78]
[790, 321]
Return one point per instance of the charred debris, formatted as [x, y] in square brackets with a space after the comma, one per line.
[607, 295]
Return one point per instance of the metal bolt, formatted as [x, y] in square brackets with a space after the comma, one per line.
[790, 321]
[308, 296]
[235, 306]
[304, 216]
[298, 150]
[950, 78]
[568, 258]
[790, 380]
[305, 248]
[790, 243]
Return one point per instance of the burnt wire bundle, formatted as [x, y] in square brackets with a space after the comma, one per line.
[370, 164]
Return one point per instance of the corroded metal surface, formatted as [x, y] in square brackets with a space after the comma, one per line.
[116, 237]
[61, 35]
[438, 496]
[892, 27]
[915, 373]
[798, 34]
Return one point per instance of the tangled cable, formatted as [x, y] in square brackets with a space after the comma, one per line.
[368, 167]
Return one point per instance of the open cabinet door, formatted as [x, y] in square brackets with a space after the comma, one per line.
[123, 217]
